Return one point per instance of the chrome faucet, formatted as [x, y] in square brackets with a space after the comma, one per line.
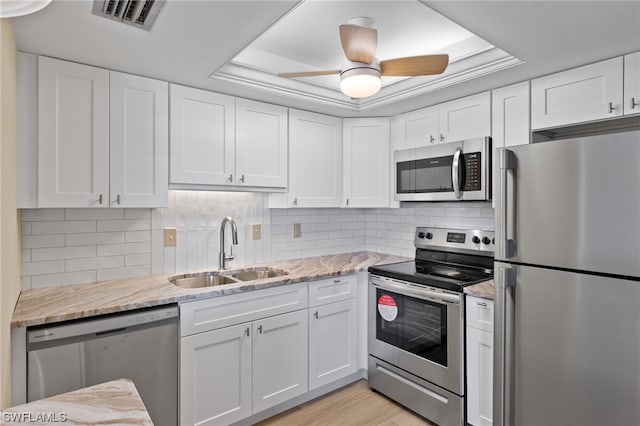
[234, 240]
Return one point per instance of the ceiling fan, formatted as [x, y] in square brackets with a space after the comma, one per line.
[362, 77]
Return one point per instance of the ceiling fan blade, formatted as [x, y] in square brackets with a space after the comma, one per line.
[359, 43]
[308, 73]
[415, 65]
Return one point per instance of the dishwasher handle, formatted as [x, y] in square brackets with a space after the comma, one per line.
[51, 334]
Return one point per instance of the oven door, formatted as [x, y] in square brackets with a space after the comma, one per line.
[418, 329]
[451, 171]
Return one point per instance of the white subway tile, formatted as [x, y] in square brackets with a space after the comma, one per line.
[446, 221]
[138, 259]
[25, 228]
[123, 273]
[41, 241]
[94, 263]
[137, 213]
[41, 281]
[26, 283]
[63, 227]
[463, 212]
[137, 236]
[61, 253]
[488, 212]
[169, 260]
[93, 214]
[42, 268]
[482, 223]
[95, 238]
[124, 225]
[157, 218]
[157, 251]
[39, 215]
[127, 248]
[26, 255]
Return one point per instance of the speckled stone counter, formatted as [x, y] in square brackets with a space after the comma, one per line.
[483, 289]
[112, 403]
[55, 304]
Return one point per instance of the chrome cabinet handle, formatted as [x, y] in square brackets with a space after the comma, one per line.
[100, 199]
[611, 108]
[295, 202]
[260, 329]
[242, 179]
[431, 139]
[347, 201]
[634, 104]
[507, 162]
[441, 137]
[483, 304]
[230, 178]
[315, 314]
[337, 281]
[247, 332]
[455, 173]
[118, 199]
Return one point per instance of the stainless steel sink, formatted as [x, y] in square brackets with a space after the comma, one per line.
[203, 279]
[258, 274]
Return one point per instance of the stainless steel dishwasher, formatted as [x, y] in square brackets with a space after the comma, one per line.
[140, 345]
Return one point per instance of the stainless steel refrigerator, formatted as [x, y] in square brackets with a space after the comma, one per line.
[567, 322]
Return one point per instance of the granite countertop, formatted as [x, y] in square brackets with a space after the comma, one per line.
[55, 304]
[483, 289]
[111, 403]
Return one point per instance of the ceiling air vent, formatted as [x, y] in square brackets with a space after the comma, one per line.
[138, 13]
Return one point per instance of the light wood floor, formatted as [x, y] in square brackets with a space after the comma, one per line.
[355, 404]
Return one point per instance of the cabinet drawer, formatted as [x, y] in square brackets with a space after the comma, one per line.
[480, 313]
[332, 289]
[223, 311]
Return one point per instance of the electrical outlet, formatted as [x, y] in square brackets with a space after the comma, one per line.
[170, 237]
[256, 231]
[297, 230]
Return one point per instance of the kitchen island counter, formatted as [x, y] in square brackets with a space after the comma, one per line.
[63, 303]
[114, 403]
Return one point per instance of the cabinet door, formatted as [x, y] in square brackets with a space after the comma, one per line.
[73, 134]
[465, 118]
[366, 162]
[139, 148]
[315, 160]
[333, 344]
[591, 92]
[415, 129]
[632, 84]
[479, 377]
[261, 144]
[215, 376]
[279, 359]
[202, 149]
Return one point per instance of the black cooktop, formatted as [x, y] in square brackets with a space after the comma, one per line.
[447, 275]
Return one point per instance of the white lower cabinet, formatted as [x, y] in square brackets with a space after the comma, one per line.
[215, 376]
[479, 361]
[333, 343]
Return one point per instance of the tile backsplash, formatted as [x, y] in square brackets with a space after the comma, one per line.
[65, 246]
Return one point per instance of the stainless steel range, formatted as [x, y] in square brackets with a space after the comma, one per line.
[416, 321]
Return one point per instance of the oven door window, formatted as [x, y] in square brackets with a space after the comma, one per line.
[420, 326]
[425, 175]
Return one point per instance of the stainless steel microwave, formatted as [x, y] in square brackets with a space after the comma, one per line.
[454, 171]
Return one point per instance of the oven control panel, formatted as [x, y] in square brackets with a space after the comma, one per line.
[455, 239]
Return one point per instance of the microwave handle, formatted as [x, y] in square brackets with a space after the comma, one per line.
[455, 173]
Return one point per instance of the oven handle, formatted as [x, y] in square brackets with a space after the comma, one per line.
[407, 289]
[455, 173]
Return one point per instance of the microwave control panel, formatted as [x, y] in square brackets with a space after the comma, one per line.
[472, 173]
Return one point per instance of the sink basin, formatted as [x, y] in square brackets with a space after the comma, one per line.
[258, 274]
[203, 279]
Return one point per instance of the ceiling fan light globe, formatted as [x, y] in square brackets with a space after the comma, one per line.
[360, 82]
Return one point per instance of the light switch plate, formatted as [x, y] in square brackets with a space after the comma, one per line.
[170, 237]
[256, 231]
[297, 230]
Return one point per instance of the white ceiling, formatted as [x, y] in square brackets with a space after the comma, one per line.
[190, 40]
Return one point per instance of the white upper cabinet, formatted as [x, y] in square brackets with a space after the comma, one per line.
[465, 118]
[632, 84]
[261, 144]
[202, 137]
[139, 148]
[315, 162]
[366, 162]
[102, 137]
[510, 115]
[73, 129]
[588, 93]
[415, 129]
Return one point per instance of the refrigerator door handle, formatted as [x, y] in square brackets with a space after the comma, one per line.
[503, 378]
[455, 173]
[507, 162]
